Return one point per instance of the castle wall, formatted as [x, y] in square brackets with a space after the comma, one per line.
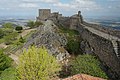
[103, 29]
[103, 48]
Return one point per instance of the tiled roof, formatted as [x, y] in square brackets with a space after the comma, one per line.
[83, 77]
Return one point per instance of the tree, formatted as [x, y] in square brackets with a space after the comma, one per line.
[1, 33]
[37, 64]
[19, 28]
[87, 64]
[5, 61]
[10, 38]
[8, 25]
[31, 24]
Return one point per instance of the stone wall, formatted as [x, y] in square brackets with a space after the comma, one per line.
[97, 45]
[118, 49]
[103, 29]
[104, 50]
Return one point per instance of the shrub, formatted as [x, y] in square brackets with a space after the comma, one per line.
[73, 46]
[9, 74]
[1, 33]
[5, 61]
[37, 64]
[31, 24]
[10, 38]
[19, 28]
[21, 39]
[8, 25]
[87, 64]
[38, 23]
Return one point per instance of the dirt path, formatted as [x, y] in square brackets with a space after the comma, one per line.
[3, 45]
[14, 57]
[25, 32]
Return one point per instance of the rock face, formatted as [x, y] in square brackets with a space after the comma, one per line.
[49, 37]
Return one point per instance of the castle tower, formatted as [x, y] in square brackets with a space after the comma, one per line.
[44, 14]
[79, 13]
[80, 17]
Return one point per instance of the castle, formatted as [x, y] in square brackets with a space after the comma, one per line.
[45, 14]
[73, 21]
[103, 42]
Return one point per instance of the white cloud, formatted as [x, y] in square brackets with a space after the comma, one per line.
[46, 1]
[28, 5]
[50, 1]
[4, 8]
[63, 6]
[78, 5]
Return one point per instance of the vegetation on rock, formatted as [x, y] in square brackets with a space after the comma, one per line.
[73, 44]
[33, 24]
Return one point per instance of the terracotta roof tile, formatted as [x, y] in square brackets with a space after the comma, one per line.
[83, 77]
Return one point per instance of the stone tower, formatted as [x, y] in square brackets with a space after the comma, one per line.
[80, 17]
[44, 14]
[79, 13]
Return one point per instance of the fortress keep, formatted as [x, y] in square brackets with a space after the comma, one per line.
[45, 14]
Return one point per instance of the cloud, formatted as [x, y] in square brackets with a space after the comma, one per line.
[66, 7]
[28, 5]
[50, 1]
[4, 8]
[79, 5]
[45, 1]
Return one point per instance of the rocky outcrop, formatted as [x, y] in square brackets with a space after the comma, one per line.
[49, 37]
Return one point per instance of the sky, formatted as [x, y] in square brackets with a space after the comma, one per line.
[89, 8]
